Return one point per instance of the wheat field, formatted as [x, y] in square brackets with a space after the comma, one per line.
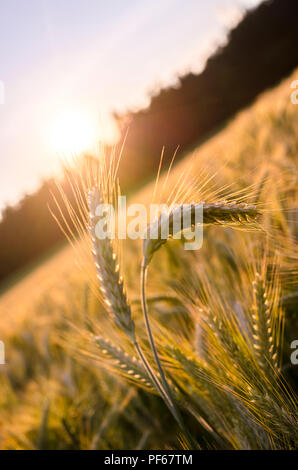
[199, 357]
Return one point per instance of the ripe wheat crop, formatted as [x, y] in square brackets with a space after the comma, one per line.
[149, 345]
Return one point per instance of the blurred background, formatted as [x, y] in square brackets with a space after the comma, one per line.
[165, 73]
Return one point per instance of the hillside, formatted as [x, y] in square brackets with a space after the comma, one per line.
[58, 394]
[258, 54]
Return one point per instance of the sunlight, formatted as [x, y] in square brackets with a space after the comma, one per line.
[73, 132]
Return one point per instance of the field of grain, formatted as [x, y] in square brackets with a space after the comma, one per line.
[222, 318]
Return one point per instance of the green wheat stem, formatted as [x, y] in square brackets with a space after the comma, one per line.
[168, 397]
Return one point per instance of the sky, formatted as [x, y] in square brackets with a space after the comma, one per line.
[67, 65]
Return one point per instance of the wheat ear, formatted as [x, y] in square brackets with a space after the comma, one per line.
[263, 341]
[128, 366]
[224, 213]
[111, 283]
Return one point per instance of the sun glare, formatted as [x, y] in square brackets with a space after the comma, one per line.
[73, 133]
